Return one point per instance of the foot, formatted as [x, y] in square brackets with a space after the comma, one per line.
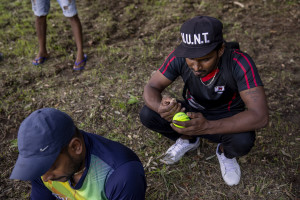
[80, 63]
[230, 169]
[177, 150]
[40, 59]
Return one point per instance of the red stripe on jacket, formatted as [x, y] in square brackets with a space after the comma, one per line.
[245, 73]
[168, 64]
[230, 102]
[253, 75]
[166, 60]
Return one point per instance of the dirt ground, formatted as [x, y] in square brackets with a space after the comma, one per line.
[125, 42]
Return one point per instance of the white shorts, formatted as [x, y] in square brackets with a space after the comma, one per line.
[42, 7]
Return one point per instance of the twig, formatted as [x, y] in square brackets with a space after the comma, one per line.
[183, 190]
[221, 193]
[210, 157]
[290, 195]
[148, 163]
[238, 4]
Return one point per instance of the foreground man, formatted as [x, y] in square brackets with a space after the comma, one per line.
[224, 97]
[64, 162]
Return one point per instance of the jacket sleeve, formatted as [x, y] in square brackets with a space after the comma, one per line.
[172, 66]
[127, 182]
[245, 71]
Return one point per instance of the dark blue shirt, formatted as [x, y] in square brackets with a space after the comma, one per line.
[113, 172]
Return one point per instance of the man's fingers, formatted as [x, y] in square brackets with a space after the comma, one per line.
[169, 119]
[178, 108]
[166, 100]
[193, 115]
[166, 116]
[174, 108]
[184, 131]
[182, 123]
[165, 109]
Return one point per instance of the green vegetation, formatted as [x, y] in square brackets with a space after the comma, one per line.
[125, 42]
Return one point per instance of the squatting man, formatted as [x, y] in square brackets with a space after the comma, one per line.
[223, 96]
[63, 162]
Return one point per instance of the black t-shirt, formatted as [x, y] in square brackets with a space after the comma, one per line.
[216, 95]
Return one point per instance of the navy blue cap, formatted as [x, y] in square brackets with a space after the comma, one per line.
[41, 137]
[200, 36]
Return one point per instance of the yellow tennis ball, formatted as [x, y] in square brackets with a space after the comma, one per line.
[181, 117]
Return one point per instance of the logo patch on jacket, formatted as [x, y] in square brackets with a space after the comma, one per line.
[219, 89]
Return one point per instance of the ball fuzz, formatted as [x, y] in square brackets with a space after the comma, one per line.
[181, 117]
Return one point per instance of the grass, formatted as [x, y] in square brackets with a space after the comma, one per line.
[125, 43]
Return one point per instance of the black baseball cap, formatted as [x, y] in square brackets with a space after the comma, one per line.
[200, 35]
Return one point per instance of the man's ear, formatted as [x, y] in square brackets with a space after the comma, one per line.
[75, 146]
[221, 50]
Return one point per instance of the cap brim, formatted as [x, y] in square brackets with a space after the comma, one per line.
[32, 168]
[186, 52]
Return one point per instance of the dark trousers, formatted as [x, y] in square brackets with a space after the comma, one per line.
[234, 145]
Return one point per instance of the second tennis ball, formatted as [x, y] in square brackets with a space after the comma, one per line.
[181, 117]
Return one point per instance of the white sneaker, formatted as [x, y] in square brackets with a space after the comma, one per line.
[230, 169]
[177, 150]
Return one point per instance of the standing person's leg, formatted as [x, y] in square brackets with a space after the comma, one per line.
[41, 9]
[70, 11]
[41, 28]
[77, 32]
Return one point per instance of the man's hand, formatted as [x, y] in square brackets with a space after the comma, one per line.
[254, 117]
[168, 108]
[196, 126]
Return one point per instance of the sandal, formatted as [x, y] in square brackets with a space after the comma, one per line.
[78, 63]
[39, 60]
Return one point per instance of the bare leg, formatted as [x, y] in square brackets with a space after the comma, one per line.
[41, 28]
[77, 32]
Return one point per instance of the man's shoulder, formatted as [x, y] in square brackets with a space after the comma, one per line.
[112, 152]
[172, 59]
[233, 58]
[239, 54]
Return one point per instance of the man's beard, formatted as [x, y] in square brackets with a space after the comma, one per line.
[75, 167]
